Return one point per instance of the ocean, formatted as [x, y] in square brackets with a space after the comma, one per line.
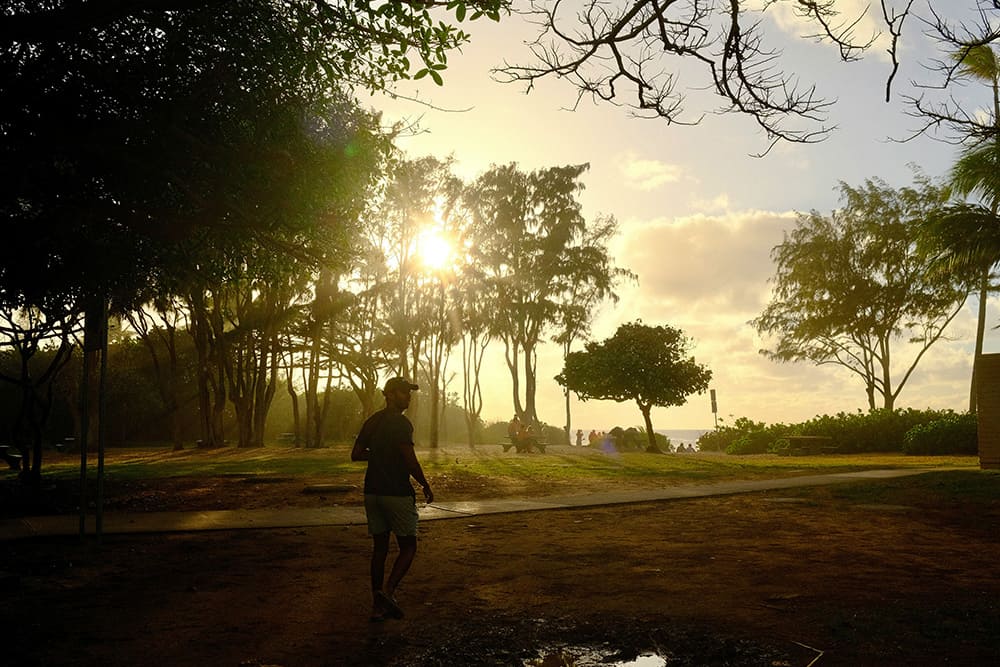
[683, 436]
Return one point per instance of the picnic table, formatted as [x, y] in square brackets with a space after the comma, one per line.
[524, 445]
[11, 455]
[806, 445]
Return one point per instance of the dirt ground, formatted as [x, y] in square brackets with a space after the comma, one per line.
[774, 578]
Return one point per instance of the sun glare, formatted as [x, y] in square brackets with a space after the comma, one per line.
[435, 250]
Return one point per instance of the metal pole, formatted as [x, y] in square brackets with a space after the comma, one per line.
[102, 405]
[84, 427]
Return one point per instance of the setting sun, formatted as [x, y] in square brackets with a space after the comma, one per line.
[435, 251]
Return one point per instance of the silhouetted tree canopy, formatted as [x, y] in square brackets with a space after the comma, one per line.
[650, 55]
[649, 365]
[132, 128]
[850, 286]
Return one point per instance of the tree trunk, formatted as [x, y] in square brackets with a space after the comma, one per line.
[651, 445]
[290, 386]
[530, 384]
[980, 335]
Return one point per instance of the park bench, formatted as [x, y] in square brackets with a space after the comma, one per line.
[11, 456]
[287, 438]
[523, 447]
[807, 445]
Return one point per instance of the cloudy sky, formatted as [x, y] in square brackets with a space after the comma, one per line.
[698, 215]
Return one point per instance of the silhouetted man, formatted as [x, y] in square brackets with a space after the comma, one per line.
[386, 442]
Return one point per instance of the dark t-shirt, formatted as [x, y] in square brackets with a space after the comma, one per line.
[385, 434]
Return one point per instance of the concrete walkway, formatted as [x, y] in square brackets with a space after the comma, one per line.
[164, 522]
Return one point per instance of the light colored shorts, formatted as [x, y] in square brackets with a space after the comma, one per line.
[396, 514]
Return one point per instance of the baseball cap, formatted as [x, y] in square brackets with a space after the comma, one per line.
[396, 383]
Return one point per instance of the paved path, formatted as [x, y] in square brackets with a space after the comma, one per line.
[161, 522]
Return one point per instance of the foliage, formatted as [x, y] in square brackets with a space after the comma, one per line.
[646, 364]
[538, 261]
[951, 434]
[877, 431]
[636, 52]
[758, 441]
[724, 435]
[851, 285]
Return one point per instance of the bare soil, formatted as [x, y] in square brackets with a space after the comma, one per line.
[771, 579]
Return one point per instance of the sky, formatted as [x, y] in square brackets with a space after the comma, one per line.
[698, 215]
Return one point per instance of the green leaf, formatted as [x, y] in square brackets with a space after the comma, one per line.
[437, 77]
[421, 74]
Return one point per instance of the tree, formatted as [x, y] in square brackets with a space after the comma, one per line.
[592, 281]
[157, 328]
[29, 332]
[142, 126]
[976, 172]
[850, 285]
[634, 52]
[639, 53]
[969, 56]
[650, 365]
[526, 237]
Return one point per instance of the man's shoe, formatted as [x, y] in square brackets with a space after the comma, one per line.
[392, 609]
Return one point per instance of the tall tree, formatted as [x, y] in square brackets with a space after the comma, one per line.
[850, 285]
[592, 281]
[135, 127]
[976, 172]
[24, 333]
[649, 365]
[157, 327]
[525, 226]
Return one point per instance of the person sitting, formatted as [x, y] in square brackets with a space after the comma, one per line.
[526, 438]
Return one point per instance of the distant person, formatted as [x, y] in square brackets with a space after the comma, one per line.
[514, 428]
[386, 443]
[526, 437]
[579, 437]
[593, 439]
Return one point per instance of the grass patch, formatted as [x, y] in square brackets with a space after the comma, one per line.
[971, 488]
[565, 465]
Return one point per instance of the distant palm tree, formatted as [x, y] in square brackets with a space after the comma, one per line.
[967, 236]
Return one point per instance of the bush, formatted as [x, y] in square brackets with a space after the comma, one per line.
[723, 436]
[878, 431]
[951, 434]
[757, 442]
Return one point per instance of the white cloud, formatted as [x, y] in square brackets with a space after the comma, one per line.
[707, 263]
[719, 203]
[859, 18]
[644, 174]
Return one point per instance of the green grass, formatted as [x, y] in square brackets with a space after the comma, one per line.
[967, 488]
[567, 465]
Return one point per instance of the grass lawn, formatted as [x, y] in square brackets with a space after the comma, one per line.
[563, 464]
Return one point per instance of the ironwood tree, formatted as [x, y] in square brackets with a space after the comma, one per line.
[851, 286]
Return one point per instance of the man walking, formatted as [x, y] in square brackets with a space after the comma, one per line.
[386, 443]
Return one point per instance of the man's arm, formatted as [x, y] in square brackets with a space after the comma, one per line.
[360, 450]
[413, 466]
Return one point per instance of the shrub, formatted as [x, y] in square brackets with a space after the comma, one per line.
[723, 436]
[878, 431]
[951, 434]
[757, 442]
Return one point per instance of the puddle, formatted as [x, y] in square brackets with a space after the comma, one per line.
[579, 656]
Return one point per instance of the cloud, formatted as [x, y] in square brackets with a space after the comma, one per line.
[858, 18]
[643, 174]
[719, 203]
[708, 275]
[703, 263]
